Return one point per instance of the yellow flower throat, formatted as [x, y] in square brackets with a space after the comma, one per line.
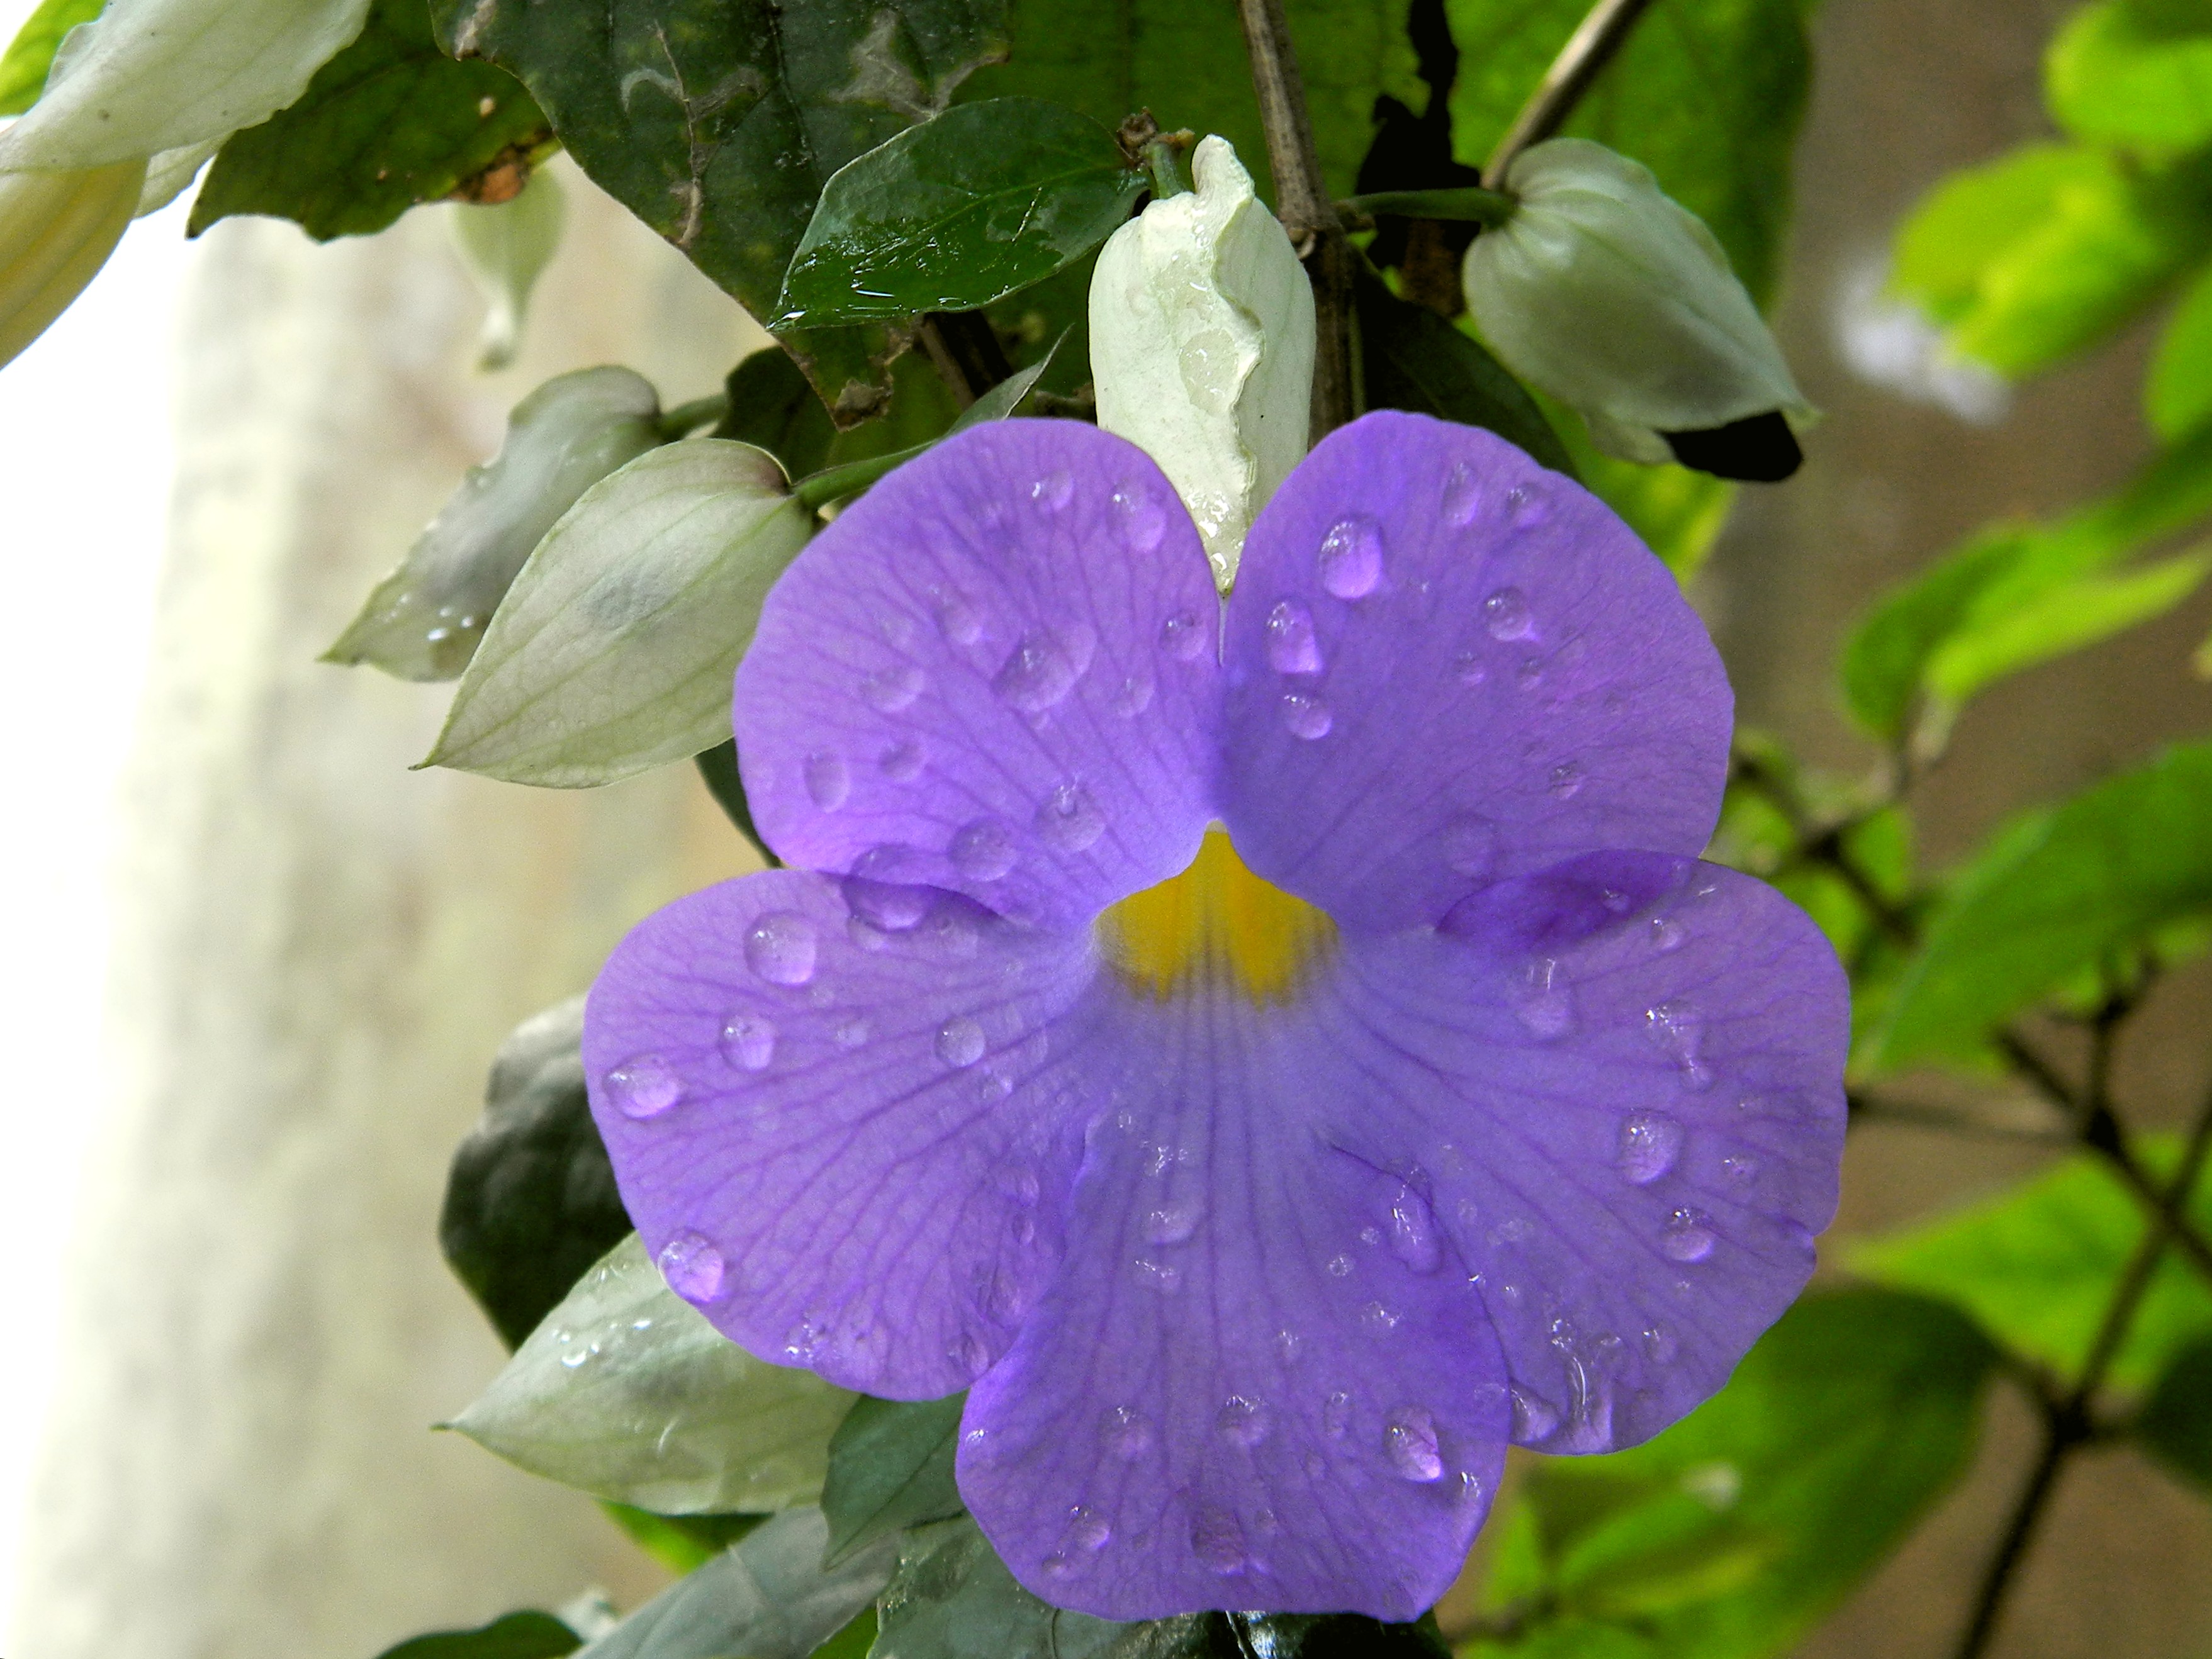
[1217, 924]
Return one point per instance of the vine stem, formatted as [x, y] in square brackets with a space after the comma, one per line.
[1303, 206]
[1588, 51]
[2067, 1422]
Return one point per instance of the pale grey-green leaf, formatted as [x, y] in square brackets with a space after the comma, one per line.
[625, 1391]
[615, 648]
[423, 621]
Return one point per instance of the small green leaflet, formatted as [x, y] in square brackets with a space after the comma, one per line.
[526, 1635]
[2176, 1424]
[2178, 393]
[959, 212]
[2121, 73]
[891, 1468]
[31, 53]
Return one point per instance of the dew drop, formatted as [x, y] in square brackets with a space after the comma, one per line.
[1565, 781]
[1469, 669]
[829, 779]
[1505, 614]
[960, 1042]
[1242, 1421]
[1544, 1001]
[892, 689]
[1413, 1232]
[1338, 1266]
[1218, 1541]
[1379, 1319]
[1666, 933]
[692, 1267]
[644, 1087]
[990, 1089]
[1164, 1277]
[1292, 648]
[781, 947]
[1528, 506]
[982, 850]
[1183, 637]
[1470, 846]
[1143, 521]
[891, 905]
[1037, 674]
[1132, 697]
[1740, 1169]
[1070, 820]
[1173, 1222]
[1053, 490]
[1651, 1142]
[1409, 1440]
[849, 1033]
[1660, 1346]
[1463, 497]
[748, 1042]
[902, 761]
[958, 620]
[1336, 1414]
[1288, 1343]
[1351, 560]
[1534, 1417]
[1305, 716]
[1127, 1433]
[1688, 1236]
[1086, 1531]
[1680, 1030]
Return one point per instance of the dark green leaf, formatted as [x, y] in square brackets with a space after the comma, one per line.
[772, 408]
[2135, 74]
[681, 1543]
[891, 1468]
[854, 1641]
[1334, 1636]
[958, 212]
[388, 121]
[718, 122]
[2056, 892]
[527, 1635]
[1707, 94]
[1732, 1533]
[767, 1598]
[2036, 1265]
[718, 769]
[1415, 360]
[31, 53]
[530, 1203]
[2176, 1427]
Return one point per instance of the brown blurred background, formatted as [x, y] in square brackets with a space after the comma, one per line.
[317, 951]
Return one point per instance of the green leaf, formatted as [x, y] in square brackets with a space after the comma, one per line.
[718, 122]
[2056, 891]
[625, 1391]
[772, 408]
[2133, 74]
[2176, 1424]
[959, 212]
[891, 1468]
[718, 769]
[681, 1543]
[526, 1635]
[424, 621]
[614, 650]
[1677, 512]
[1732, 1533]
[1708, 95]
[767, 1598]
[1412, 359]
[2178, 394]
[531, 1203]
[2036, 1266]
[31, 53]
[388, 121]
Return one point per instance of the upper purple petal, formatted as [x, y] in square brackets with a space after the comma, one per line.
[994, 673]
[1448, 666]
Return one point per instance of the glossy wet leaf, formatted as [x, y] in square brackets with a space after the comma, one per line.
[31, 53]
[526, 1635]
[2134, 73]
[388, 121]
[1731, 1534]
[959, 212]
[425, 621]
[625, 1391]
[767, 1597]
[530, 1202]
[2176, 1424]
[2056, 891]
[718, 122]
[614, 648]
[1707, 96]
[891, 1468]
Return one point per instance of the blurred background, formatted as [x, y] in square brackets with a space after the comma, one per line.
[258, 968]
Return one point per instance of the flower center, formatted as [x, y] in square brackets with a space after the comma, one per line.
[1217, 924]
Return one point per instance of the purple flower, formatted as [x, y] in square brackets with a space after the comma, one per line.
[1256, 1225]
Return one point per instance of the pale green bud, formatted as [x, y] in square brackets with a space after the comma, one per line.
[1203, 347]
[1609, 296]
[57, 230]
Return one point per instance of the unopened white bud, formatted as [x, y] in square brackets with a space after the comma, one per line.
[57, 230]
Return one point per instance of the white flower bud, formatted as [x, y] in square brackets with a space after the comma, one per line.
[1610, 297]
[57, 230]
[1203, 347]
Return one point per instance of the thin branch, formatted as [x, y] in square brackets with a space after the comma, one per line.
[1957, 1120]
[1303, 205]
[1588, 51]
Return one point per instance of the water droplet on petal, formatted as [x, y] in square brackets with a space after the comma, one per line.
[1182, 636]
[1651, 1142]
[1218, 1541]
[1470, 846]
[1336, 1414]
[829, 779]
[1086, 1531]
[1134, 696]
[1463, 497]
[1053, 490]
[1351, 558]
[692, 1267]
[748, 1042]
[891, 905]
[1544, 1001]
[1037, 674]
[1164, 1277]
[1680, 1029]
[983, 849]
[960, 1042]
[1505, 614]
[644, 1087]
[1666, 933]
[1070, 820]
[1338, 1266]
[1379, 1319]
[1173, 1222]
[1688, 1236]
[1660, 1345]
[1528, 506]
[1305, 716]
[1469, 669]
[902, 761]
[780, 948]
[1413, 1232]
[1242, 1421]
[1565, 781]
[1740, 1169]
[958, 620]
[1143, 520]
[849, 1033]
[1409, 1439]
[1534, 1417]
[1292, 648]
[1127, 1433]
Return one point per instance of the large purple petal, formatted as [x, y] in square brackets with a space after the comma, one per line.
[844, 1125]
[1236, 1393]
[994, 673]
[1619, 1086]
[1448, 665]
